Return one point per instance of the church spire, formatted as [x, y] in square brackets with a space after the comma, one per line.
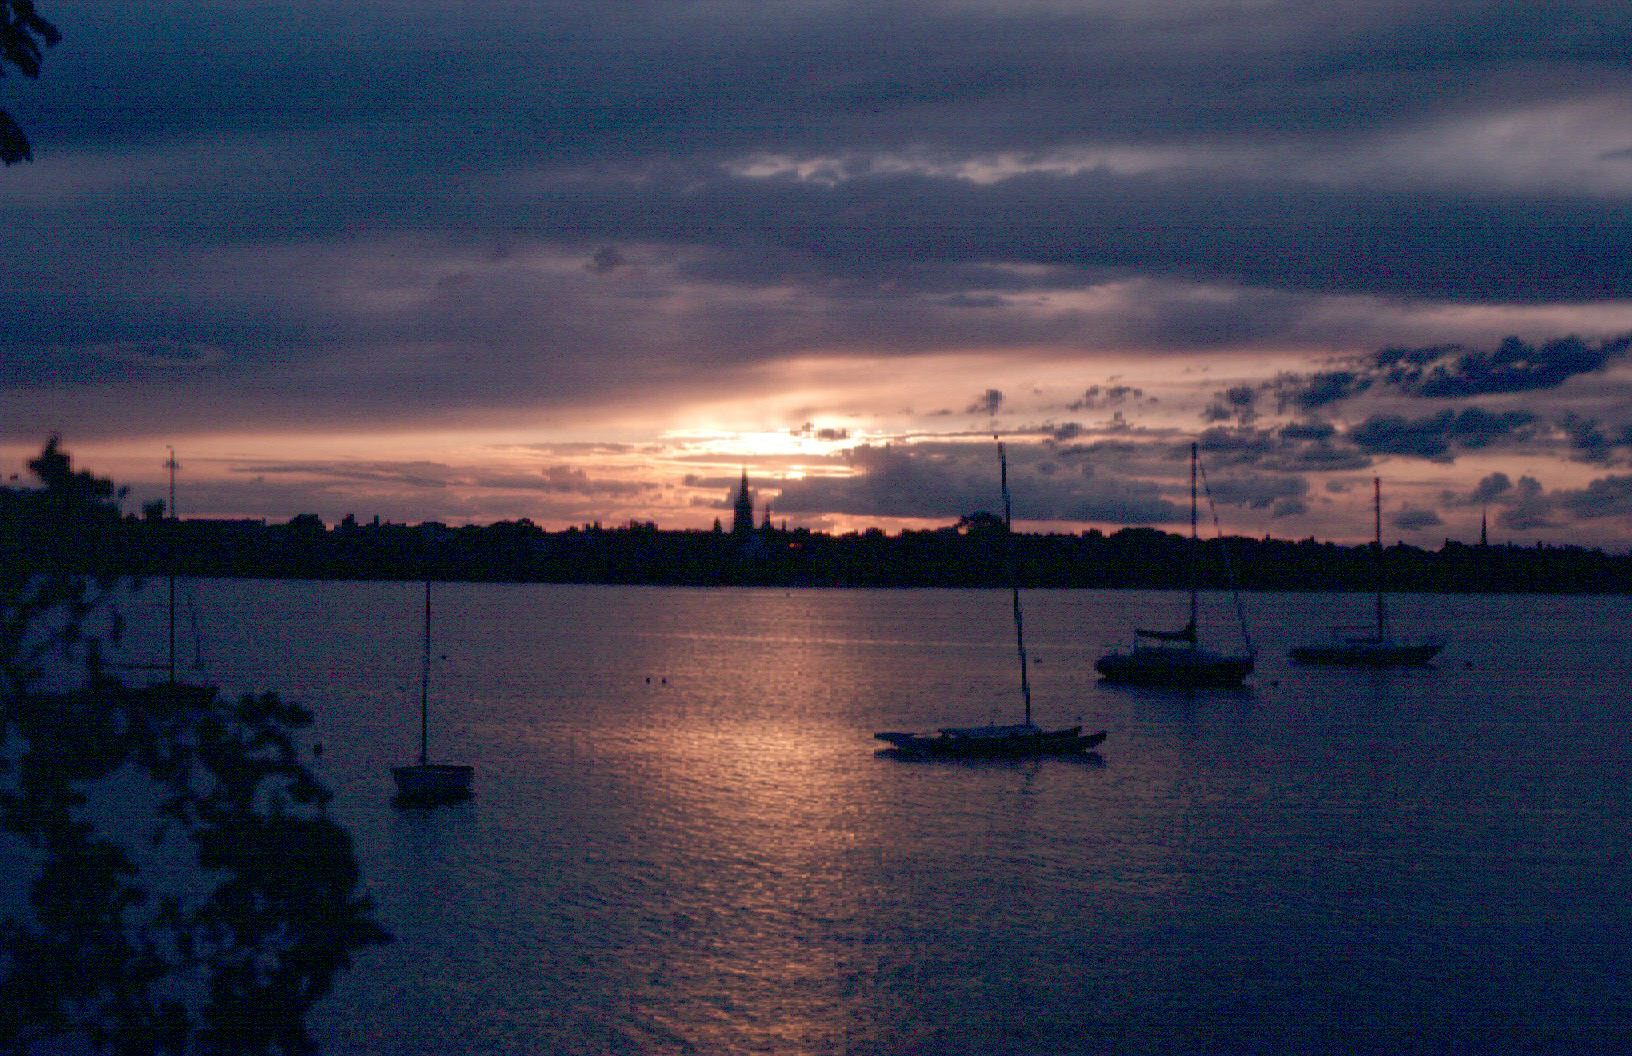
[742, 517]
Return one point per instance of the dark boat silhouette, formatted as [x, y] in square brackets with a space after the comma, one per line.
[1177, 658]
[426, 783]
[1378, 648]
[1017, 740]
[172, 687]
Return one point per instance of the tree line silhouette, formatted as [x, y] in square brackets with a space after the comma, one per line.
[976, 552]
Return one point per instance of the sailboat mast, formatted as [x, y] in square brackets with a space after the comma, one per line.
[1194, 544]
[171, 664]
[1377, 524]
[425, 679]
[170, 464]
[1014, 582]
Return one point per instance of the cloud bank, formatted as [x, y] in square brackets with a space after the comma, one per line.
[1378, 236]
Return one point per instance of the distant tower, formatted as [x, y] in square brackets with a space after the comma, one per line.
[1484, 528]
[742, 517]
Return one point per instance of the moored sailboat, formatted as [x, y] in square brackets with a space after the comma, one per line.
[171, 687]
[1378, 648]
[1017, 740]
[1177, 658]
[426, 783]
[1020, 740]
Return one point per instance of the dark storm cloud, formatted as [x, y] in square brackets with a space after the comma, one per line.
[893, 482]
[1605, 497]
[1413, 518]
[577, 78]
[1260, 231]
[576, 481]
[1236, 402]
[1225, 446]
[228, 178]
[1587, 439]
[1317, 456]
[1259, 491]
[1311, 431]
[915, 233]
[433, 475]
[1096, 396]
[987, 403]
[1514, 366]
[1525, 505]
[1437, 436]
[648, 102]
[1456, 372]
[950, 481]
[416, 475]
[1298, 447]
[1491, 488]
[1318, 390]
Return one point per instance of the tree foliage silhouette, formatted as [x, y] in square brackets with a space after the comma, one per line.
[23, 37]
[173, 883]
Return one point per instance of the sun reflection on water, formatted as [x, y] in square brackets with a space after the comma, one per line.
[682, 840]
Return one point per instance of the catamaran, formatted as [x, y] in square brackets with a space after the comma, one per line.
[1016, 740]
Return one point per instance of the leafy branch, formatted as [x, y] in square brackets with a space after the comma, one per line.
[23, 37]
[189, 892]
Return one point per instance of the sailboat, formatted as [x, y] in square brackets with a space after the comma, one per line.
[1378, 648]
[1177, 658]
[171, 688]
[425, 782]
[1017, 740]
[171, 685]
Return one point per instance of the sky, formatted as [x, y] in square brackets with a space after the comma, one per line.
[480, 260]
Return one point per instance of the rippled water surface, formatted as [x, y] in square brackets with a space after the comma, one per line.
[683, 840]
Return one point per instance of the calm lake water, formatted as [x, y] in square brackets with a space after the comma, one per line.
[683, 840]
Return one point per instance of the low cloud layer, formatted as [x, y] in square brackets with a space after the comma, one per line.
[946, 482]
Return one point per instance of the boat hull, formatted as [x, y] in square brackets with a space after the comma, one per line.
[1366, 654]
[993, 742]
[1174, 667]
[429, 783]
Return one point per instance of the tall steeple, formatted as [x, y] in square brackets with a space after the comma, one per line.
[742, 517]
[1484, 528]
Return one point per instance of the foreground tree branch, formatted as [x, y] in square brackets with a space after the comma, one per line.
[23, 37]
[179, 886]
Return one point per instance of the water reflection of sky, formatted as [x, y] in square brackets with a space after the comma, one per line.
[683, 841]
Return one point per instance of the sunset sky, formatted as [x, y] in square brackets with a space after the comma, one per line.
[474, 260]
